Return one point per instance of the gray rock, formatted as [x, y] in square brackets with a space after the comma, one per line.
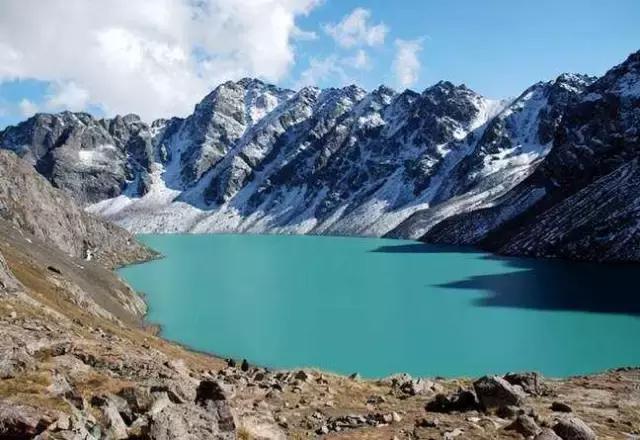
[572, 428]
[524, 425]
[8, 282]
[188, 422]
[560, 407]
[547, 434]
[210, 395]
[21, 421]
[14, 360]
[494, 392]
[460, 401]
[532, 383]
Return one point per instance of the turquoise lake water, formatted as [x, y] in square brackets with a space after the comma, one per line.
[380, 306]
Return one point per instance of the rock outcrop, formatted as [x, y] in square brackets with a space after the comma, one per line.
[28, 202]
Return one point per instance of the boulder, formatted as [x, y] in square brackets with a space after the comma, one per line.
[21, 421]
[460, 401]
[524, 425]
[547, 434]
[210, 395]
[560, 407]
[138, 398]
[494, 392]
[14, 360]
[572, 428]
[188, 422]
[531, 383]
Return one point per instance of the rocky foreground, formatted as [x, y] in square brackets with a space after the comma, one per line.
[77, 361]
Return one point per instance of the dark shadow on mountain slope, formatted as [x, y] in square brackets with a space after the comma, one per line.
[559, 285]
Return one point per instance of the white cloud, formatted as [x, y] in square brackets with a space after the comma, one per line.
[67, 96]
[354, 30]
[151, 57]
[27, 107]
[302, 35]
[324, 70]
[406, 64]
[360, 60]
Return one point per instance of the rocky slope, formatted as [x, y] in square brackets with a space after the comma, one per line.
[581, 200]
[28, 202]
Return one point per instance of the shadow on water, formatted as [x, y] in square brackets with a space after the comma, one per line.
[545, 284]
[423, 248]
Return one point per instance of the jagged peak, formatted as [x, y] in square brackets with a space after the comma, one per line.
[445, 88]
[574, 82]
[251, 82]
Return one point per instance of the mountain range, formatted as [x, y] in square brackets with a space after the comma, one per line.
[553, 172]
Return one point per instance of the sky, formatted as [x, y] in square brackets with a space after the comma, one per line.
[157, 58]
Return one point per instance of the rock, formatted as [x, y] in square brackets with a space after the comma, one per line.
[54, 270]
[461, 401]
[138, 398]
[396, 417]
[211, 396]
[427, 423]
[116, 428]
[63, 423]
[453, 434]
[209, 390]
[572, 428]
[21, 421]
[413, 387]
[187, 422]
[8, 282]
[524, 425]
[508, 412]
[375, 400]
[14, 360]
[531, 383]
[560, 407]
[494, 392]
[301, 375]
[547, 434]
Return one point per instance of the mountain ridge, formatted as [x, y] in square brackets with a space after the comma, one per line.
[254, 157]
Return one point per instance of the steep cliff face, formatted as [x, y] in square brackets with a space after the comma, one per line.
[28, 202]
[581, 200]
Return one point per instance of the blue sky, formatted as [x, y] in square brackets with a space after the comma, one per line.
[144, 59]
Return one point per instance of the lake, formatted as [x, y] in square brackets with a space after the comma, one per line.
[378, 306]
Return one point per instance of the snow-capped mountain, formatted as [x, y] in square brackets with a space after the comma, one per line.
[583, 200]
[257, 158]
